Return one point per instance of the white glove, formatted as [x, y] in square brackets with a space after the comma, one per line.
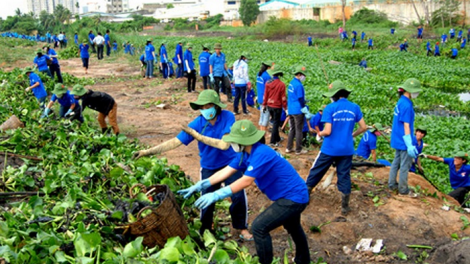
[423, 155]
[28, 89]
[179, 61]
[189, 71]
[319, 138]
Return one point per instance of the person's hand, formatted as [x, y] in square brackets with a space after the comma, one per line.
[46, 112]
[420, 170]
[412, 151]
[211, 76]
[138, 154]
[423, 155]
[189, 71]
[179, 61]
[199, 186]
[70, 113]
[27, 89]
[312, 130]
[209, 198]
[263, 109]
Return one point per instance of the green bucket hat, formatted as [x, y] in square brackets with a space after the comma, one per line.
[217, 46]
[411, 85]
[39, 51]
[268, 63]
[335, 87]
[460, 154]
[275, 71]
[27, 69]
[244, 132]
[149, 40]
[79, 90]
[188, 45]
[422, 128]
[206, 46]
[207, 97]
[59, 89]
[84, 40]
[246, 54]
[46, 46]
[300, 69]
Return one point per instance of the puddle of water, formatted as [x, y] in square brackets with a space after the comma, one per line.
[464, 97]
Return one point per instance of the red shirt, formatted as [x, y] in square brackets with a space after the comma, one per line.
[275, 94]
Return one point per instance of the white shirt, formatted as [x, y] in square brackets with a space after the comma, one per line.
[99, 40]
[240, 72]
[61, 37]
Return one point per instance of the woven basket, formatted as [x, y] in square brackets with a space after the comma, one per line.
[12, 123]
[164, 222]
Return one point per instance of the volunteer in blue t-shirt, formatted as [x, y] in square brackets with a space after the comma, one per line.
[339, 117]
[315, 123]
[179, 60]
[188, 62]
[428, 49]
[418, 142]
[164, 61]
[455, 52]
[210, 127]
[402, 138]
[69, 106]
[420, 33]
[309, 40]
[363, 36]
[54, 67]
[84, 54]
[91, 37]
[149, 58]
[204, 66]
[107, 43]
[436, 50]
[297, 111]
[218, 72]
[41, 62]
[368, 143]
[459, 174]
[36, 85]
[370, 43]
[261, 79]
[274, 176]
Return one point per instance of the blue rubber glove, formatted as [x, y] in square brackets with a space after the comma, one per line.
[68, 112]
[412, 151]
[211, 76]
[46, 112]
[199, 186]
[306, 112]
[209, 198]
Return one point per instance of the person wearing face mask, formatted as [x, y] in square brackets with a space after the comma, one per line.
[210, 127]
[69, 106]
[274, 176]
[418, 142]
[242, 83]
[368, 143]
[402, 141]
[189, 68]
[297, 111]
[339, 117]
[218, 72]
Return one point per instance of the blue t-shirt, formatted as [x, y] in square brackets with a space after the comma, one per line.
[273, 175]
[454, 52]
[363, 35]
[367, 144]
[460, 33]
[42, 62]
[204, 63]
[342, 115]
[420, 31]
[295, 97]
[149, 50]
[91, 37]
[392, 31]
[142, 58]
[115, 45]
[39, 92]
[460, 178]
[444, 38]
[261, 85]
[163, 54]
[107, 40]
[211, 158]
[428, 46]
[53, 53]
[218, 64]
[316, 121]
[66, 100]
[436, 49]
[179, 51]
[370, 42]
[188, 56]
[309, 39]
[420, 150]
[403, 113]
[84, 51]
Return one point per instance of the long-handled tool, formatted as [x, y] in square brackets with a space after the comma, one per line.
[382, 134]
[322, 65]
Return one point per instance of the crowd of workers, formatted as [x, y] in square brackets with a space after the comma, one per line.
[234, 152]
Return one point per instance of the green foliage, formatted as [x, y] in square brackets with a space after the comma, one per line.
[249, 11]
[368, 16]
[447, 14]
[213, 21]
[170, 6]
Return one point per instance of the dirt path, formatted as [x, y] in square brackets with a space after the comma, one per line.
[397, 220]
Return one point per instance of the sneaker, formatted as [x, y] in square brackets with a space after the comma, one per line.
[410, 194]
[274, 145]
[246, 113]
[303, 151]
[236, 113]
[288, 151]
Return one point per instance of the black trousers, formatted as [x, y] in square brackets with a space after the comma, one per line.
[459, 194]
[205, 82]
[55, 69]
[191, 81]
[275, 114]
[225, 86]
[100, 51]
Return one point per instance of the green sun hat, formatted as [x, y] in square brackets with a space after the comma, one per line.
[149, 40]
[246, 54]
[460, 154]
[300, 69]
[275, 71]
[217, 46]
[59, 89]
[244, 132]
[207, 97]
[189, 45]
[411, 85]
[27, 69]
[84, 40]
[335, 87]
[46, 46]
[422, 128]
[268, 63]
[205, 46]
[79, 90]
[39, 51]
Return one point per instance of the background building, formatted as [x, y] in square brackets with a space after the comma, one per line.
[36, 6]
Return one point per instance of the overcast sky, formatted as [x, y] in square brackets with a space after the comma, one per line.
[9, 9]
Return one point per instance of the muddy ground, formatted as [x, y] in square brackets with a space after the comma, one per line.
[400, 221]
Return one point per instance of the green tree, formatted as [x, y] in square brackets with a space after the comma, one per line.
[170, 6]
[62, 14]
[249, 11]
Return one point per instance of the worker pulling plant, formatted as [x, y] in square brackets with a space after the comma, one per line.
[368, 144]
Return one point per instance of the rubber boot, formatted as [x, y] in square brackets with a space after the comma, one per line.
[104, 130]
[345, 204]
[309, 190]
